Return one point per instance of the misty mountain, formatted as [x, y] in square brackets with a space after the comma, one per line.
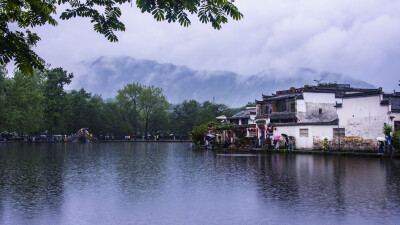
[105, 76]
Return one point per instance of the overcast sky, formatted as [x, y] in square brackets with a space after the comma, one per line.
[358, 38]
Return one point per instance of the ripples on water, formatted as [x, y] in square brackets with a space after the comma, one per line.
[168, 183]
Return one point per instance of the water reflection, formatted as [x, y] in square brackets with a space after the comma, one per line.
[31, 180]
[169, 183]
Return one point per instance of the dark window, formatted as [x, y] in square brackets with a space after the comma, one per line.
[304, 132]
[235, 121]
[281, 106]
[320, 111]
[266, 110]
[339, 131]
[292, 107]
[396, 125]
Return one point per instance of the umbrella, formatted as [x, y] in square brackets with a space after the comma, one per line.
[285, 135]
[276, 137]
[380, 138]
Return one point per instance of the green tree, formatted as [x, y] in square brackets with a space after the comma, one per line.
[209, 111]
[3, 87]
[104, 14]
[152, 102]
[55, 99]
[22, 106]
[128, 100]
[197, 133]
[141, 103]
[112, 120]
[387, 130]
[159, 122]
[185, 116]
[83, 110]
[396, 140]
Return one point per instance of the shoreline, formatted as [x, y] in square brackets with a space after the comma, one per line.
[248, 150]
[98, 141]
[304, 152]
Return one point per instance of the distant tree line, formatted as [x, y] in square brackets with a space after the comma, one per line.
[38, 103]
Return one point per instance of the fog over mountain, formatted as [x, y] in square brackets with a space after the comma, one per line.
[105, 76]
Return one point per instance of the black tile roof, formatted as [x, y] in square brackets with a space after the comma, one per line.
[243, 114]
[394, 100]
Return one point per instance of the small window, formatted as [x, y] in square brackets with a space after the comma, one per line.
[320, 111]
[292, 107]
[304, 132]
[396, 125]
[266, 110]
[339, 131]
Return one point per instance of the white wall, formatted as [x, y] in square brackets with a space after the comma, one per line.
[319, 97]
[314, 132]
[301, 106]
[363, 117]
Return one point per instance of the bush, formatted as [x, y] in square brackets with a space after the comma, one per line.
[292, 88]
[198, 132]
[396, 140]
[387, 130]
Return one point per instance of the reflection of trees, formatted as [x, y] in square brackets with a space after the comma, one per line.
[141, 167]
[31, 178]
[272, 175]
[393, 180]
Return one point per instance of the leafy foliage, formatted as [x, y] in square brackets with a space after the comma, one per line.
[387, 130]
[55, 103]
[185, 116]
[197, 133]
[39, 102]
[141, 102]
[104, 14]
[17, 44]
[396, 140]
[23, 106]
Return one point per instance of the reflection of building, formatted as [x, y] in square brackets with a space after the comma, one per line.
[355, 115]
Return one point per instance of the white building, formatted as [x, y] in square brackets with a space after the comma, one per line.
[243, 120]
[351, 118]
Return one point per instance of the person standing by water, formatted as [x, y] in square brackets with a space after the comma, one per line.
[291, 144]
[276, 145]
[381, 144]
[389, 148]
[325, 146]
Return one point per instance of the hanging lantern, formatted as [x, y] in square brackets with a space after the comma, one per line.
[275, 128]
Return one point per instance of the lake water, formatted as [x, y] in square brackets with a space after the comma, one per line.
[169, 183]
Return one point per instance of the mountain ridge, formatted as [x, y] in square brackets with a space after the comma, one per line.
[106, 75]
